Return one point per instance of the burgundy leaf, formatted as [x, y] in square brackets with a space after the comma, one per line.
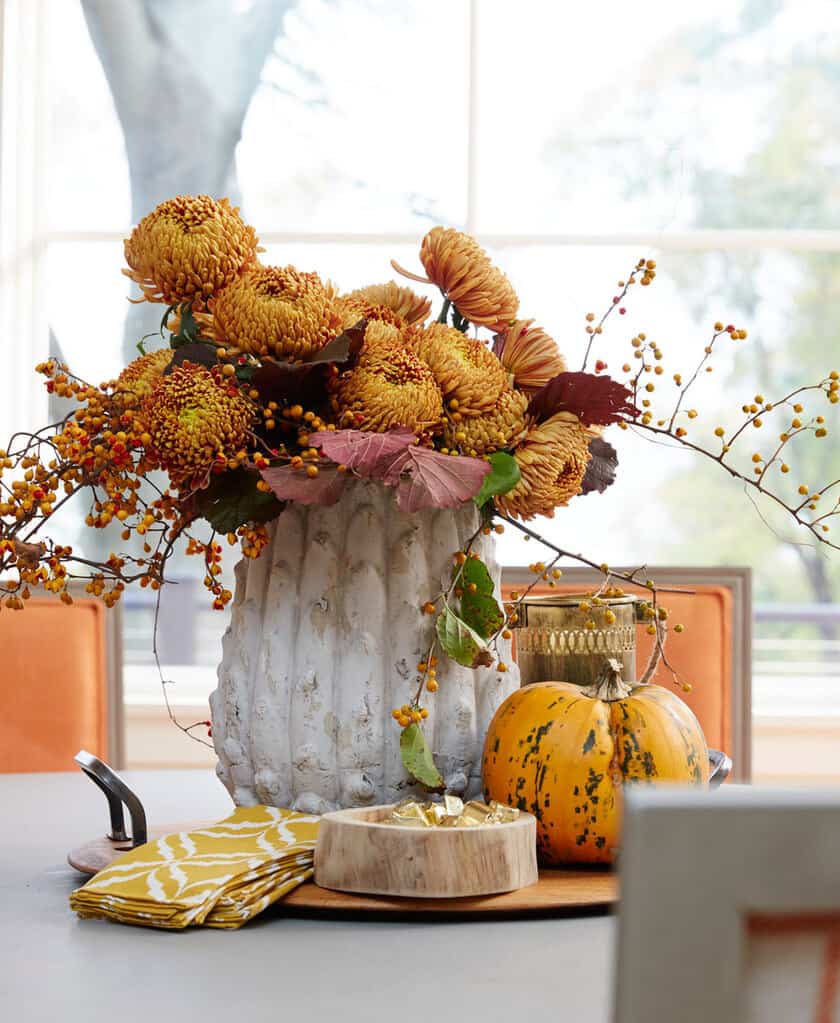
[303, 381]
[368, 454]
[201, 353]
[294, 485]
[343, 348]
[600, 471]
[282, 381]
[427, 479]
[595, 400]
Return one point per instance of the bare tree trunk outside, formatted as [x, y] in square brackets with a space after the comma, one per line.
[182, 75]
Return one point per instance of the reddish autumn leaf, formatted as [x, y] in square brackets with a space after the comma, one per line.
[368, 454]
[427, 479]
[200, 353]
[595, 400]
[600, 470]
[29, 554]
[343, 348]
[286, 381]
[304, 381]
[294, 485]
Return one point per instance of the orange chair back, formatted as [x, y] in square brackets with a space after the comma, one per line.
[54, 684]
[701, 656]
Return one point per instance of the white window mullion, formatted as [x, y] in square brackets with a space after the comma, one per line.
[678, 241]
[472, 120]
[23, 300]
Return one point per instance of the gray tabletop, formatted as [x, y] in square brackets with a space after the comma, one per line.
[56, 967]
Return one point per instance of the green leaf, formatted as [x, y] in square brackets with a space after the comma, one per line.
[482, 614]
[460, 642]
[232, 499]
[188, 331]
[475, 571]
[201, 353]
[246, 372]
[503, 476]
[170, 309]
[479, 609]
[418, 759]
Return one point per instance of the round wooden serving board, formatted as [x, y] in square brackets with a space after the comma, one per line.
[555, 891]
[559, 891]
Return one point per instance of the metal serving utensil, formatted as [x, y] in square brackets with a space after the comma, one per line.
[117, 793]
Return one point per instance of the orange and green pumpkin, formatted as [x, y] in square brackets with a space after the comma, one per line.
[564, 754]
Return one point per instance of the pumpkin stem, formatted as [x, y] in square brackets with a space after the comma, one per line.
[609, 685]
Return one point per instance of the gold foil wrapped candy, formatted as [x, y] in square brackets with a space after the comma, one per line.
[451, 813]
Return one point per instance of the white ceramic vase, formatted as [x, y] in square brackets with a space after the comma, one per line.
[324, 639]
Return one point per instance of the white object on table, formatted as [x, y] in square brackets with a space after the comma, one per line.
[54, 966]
[695, 869]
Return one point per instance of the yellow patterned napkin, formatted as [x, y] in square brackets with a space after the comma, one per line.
[219, 876]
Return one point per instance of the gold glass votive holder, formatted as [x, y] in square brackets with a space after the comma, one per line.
[553, 643]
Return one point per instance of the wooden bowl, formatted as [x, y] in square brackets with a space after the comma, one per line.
[356, 852]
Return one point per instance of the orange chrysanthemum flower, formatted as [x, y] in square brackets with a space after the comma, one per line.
[353, 309]
[409, 307]
[380, 339]
[273, 310]
[188, 248]
[468, 373]
[502, 427]
[142, 375]
[195, 416]
[463, 271]
[388, 387]
[552, 460]
[530, 355]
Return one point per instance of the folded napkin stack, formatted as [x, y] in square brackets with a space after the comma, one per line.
[219, 876]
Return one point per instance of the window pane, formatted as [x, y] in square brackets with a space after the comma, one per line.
[87, 299]
[360, 121]
[717, 116]
[671, 506]
[85, 166]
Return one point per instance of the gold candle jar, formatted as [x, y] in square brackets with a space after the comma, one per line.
[554, 645]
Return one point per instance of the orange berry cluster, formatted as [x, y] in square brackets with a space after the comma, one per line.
[412, 713]
[103, 448]
[642, 273]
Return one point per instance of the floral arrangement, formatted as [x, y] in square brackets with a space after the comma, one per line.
[273, 386]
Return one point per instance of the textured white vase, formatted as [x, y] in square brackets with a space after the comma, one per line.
[324, 639]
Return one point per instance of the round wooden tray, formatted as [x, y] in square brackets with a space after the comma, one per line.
[557, 891]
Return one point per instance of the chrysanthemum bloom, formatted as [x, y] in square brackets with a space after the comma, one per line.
[275, 310]
[188, 248]
[388, 387]
[195, 416]
[141, 376]
[530, 355]
[462, 270]
[552, 460]
[502, 427]
[379, 341]
[468, 373]
[353, 309]
[407, 304]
